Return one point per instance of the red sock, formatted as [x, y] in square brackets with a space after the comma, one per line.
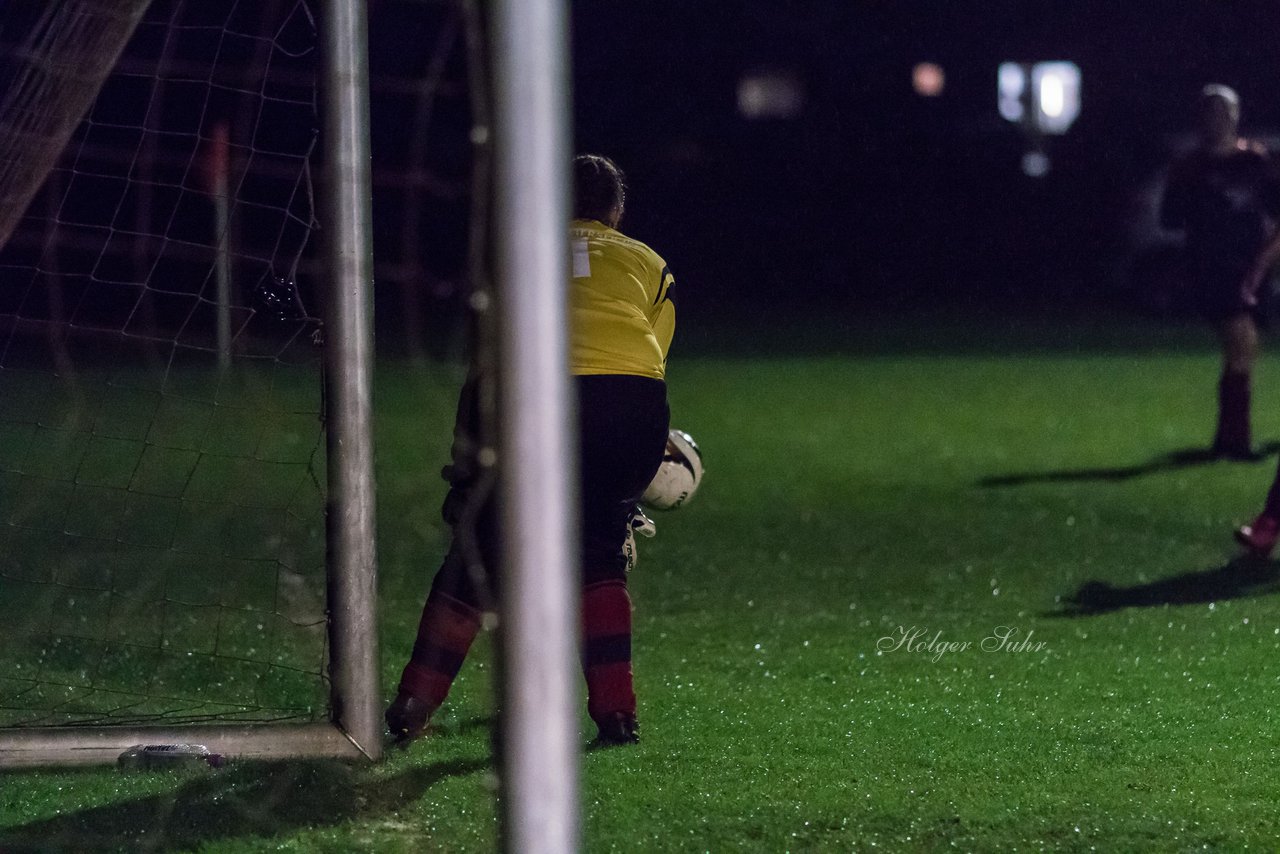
[445, 633]
[606, 649]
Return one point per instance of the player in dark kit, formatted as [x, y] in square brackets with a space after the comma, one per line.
[622, 322]
[1225, 195]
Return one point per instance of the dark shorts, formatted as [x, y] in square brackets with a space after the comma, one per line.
[623, 422]
[1217, 291]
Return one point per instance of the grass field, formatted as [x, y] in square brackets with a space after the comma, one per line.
[941, 482]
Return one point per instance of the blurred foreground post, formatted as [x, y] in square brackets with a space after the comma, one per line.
[539, 624]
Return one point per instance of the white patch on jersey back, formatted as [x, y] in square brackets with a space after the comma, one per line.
[581, 259]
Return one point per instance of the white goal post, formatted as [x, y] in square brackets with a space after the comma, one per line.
[540, 580]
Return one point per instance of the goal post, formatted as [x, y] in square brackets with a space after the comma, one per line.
[349, 252]
[539, 621]
[346, 610]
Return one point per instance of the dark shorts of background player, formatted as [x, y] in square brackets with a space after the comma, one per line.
[1217, 292]
[623, 423]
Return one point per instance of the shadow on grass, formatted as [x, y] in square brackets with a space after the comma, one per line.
[1171, 461]
[1240, 578]
[254, 800]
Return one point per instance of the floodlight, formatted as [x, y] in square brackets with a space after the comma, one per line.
[1057, 88]
[1044, 96]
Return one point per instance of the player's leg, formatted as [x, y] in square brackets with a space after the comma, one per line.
[1260, 535]
[1239, 336]
[450, 621]
[451, 617]
[624, 428]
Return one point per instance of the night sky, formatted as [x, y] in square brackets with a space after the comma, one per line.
[874, 194]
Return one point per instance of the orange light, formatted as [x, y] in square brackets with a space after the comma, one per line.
[928, 79]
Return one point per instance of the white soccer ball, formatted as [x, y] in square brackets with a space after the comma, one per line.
[678, 476]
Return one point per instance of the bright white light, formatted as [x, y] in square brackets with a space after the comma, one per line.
[1057, 86]
[1045, 95]
[1052, 98]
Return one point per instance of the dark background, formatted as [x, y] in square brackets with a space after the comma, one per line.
[871, 198]
[874, 195]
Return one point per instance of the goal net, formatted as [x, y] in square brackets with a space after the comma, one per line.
[162, 463]
[57, 55]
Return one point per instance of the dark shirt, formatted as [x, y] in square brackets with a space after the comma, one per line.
[1225, 202]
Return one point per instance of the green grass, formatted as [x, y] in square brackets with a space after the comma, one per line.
[955, 487]
[163, 539]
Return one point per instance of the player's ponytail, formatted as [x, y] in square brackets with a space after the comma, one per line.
[599, 189]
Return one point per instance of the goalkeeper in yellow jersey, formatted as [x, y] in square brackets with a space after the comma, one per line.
[622, 321]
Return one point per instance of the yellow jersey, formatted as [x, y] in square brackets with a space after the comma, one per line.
[622, 318]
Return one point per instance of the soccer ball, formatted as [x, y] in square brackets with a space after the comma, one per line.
[678, 476]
